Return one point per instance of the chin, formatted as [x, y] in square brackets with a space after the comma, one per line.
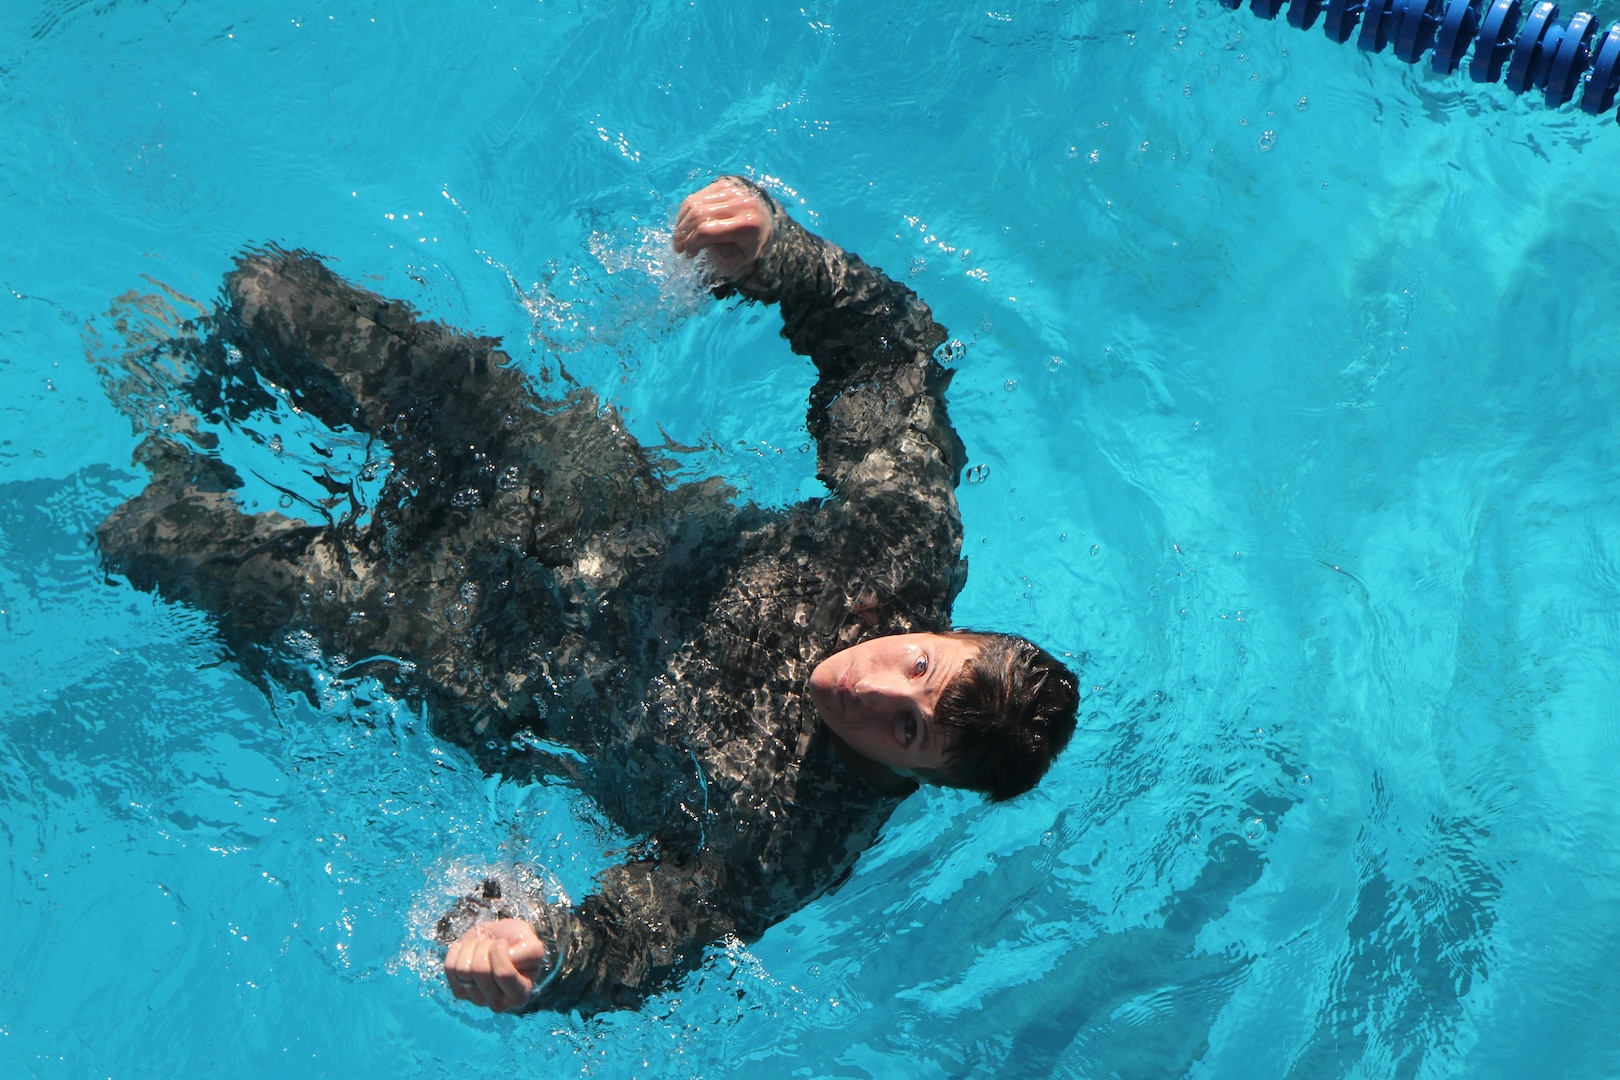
[823, 688]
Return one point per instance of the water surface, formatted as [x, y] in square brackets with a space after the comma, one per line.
[1289, 390]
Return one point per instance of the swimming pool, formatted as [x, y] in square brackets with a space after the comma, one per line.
[1290, 373]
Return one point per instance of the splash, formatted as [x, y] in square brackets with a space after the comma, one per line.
[525, 886]
[633, 291]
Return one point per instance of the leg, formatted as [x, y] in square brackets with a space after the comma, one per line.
[186, 539]
[464, 427]
[270, 582]
[354, 358]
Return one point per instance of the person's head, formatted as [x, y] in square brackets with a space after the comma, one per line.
[987, 712]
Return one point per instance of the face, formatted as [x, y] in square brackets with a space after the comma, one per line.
[878, 696]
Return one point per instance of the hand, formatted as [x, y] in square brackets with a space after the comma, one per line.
[729, 221]
[494, 964]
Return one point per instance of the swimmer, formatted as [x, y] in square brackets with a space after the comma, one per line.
[751, 690]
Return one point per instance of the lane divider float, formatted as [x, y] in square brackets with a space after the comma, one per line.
[1525, 41]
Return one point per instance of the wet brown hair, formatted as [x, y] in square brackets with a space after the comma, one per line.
[1007, 714]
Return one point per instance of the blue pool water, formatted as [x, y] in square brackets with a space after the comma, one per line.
[1291, 372]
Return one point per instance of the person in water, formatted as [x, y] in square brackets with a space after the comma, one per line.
[752, 691]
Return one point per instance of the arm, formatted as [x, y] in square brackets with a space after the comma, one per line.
[879, 401]
[645, 926]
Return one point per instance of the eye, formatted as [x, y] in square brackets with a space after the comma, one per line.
[920, 665]
[910, 728]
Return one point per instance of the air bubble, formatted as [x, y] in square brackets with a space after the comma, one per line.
[1268, 139]
[1254, 828]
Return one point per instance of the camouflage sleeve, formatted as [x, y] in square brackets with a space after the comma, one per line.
[877, 411]
[645, 926]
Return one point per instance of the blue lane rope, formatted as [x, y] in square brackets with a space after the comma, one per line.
[1524, 40]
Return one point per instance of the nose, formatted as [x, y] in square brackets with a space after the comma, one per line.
[882, 691]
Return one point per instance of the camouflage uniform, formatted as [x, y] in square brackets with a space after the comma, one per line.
[531, 571]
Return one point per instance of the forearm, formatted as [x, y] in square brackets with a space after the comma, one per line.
[836, 309]
[881, 390]
[645, 927]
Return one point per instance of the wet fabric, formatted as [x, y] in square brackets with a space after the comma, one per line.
[536, 577]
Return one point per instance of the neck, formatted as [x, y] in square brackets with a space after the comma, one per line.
[881, 778]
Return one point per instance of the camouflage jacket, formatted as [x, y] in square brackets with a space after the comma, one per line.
[534, 574]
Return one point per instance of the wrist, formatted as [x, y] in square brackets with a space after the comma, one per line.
[555, 954]
[762, 280]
